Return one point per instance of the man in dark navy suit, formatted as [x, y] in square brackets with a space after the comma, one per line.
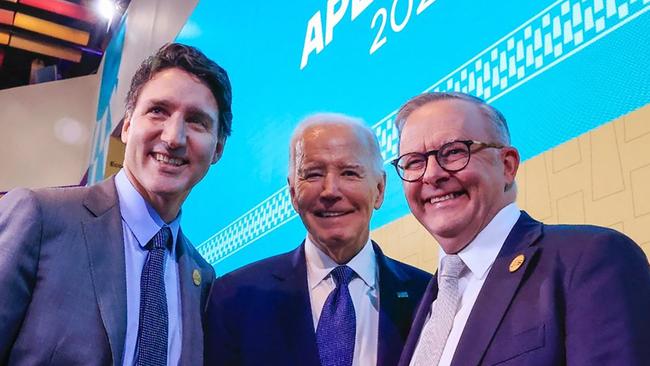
[336, 299]
[509, 290]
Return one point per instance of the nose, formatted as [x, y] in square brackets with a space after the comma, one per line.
[434, 173]
[173, 133]
[330, 190]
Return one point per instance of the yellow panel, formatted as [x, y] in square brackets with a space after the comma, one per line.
[45, 49]
[641, 190]
[606, 168]
[51, 29]
[4, 38]
[115, 156]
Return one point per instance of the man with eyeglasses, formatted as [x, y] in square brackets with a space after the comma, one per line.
[510, 290]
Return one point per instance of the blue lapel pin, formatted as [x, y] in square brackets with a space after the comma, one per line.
[402, 294]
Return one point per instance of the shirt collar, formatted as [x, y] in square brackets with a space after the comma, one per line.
[142, 219]
[479, 254]
[319, 264]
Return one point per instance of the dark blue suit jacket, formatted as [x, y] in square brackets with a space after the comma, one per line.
[582, 297]
[261, 314]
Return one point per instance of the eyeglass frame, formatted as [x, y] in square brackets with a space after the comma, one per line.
[427, 154]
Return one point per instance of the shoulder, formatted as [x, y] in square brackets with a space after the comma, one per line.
[44, 200]
[580, 239]
[400, 271]
[588, 254]
[413, 273]
[257, 271]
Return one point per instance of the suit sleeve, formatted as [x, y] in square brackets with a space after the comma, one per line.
[608, 304]
[20, 237]
[220, 339]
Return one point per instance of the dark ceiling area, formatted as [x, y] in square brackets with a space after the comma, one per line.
[45, 40]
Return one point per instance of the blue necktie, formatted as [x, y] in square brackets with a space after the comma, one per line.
[337, 324]
[152, 331]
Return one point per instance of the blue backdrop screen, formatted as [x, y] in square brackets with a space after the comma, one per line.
[556, 69]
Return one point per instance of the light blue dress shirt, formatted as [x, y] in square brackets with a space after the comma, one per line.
[140, 222]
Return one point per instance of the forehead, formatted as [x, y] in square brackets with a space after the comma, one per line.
[336, 143]
[179, 86]
[442, 121]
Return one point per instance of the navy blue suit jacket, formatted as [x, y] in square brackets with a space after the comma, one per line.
[261, 314]
[581, 297]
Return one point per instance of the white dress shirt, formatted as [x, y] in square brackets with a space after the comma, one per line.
[364, 290]
[478, 257]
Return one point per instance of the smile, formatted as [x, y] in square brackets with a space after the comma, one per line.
[166, 159]
[446, 197]
[327, 214]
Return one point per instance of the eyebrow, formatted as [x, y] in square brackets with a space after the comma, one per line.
[351, 166]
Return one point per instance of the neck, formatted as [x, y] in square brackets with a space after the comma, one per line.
[166, 205]
[341, 253]
[454, 244]
[168, 211]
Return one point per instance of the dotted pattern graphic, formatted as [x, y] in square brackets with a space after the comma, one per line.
[556, 33]
[251, 226]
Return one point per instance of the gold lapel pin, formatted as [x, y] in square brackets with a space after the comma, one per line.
[196, 277]
[516, 263]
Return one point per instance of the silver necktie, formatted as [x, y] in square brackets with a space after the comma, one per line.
[436, 330]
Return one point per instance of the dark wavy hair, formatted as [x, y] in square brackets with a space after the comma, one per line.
[193, 61]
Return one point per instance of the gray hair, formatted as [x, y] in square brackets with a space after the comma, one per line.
[323, 119]
[500, 127]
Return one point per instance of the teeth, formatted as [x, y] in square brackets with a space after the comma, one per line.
[443, 198]
[331, 214]
[167, 159]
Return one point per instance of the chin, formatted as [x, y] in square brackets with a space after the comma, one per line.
[443, 229]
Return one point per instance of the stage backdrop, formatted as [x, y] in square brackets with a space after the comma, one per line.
[556, 69]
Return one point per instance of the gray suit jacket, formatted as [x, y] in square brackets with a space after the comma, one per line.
[63, 282]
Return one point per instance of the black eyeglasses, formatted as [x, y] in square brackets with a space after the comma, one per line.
[452, 157]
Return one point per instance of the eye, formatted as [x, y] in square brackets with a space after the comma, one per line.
[454, 150]
[196, 120]
[156, 111]
[412, 162]
[311, 175]
[350, 173]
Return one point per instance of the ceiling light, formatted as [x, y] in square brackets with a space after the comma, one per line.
[106, 8]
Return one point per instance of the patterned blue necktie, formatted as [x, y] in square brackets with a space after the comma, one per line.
[337, 324]
[152, 331]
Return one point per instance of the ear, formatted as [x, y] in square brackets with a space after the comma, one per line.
[292, 193]
[218, 150]
[381, 189]
[126, 125]
[510, 159]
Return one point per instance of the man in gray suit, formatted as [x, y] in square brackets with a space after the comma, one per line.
[103, 275]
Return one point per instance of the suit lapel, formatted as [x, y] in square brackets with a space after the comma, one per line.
[191, 309]
[421, 315]
[294, 304]
[497, 292]
[394, 297]
[104, 239]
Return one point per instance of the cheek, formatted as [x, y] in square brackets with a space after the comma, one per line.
[412, 193]
[302, 197]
